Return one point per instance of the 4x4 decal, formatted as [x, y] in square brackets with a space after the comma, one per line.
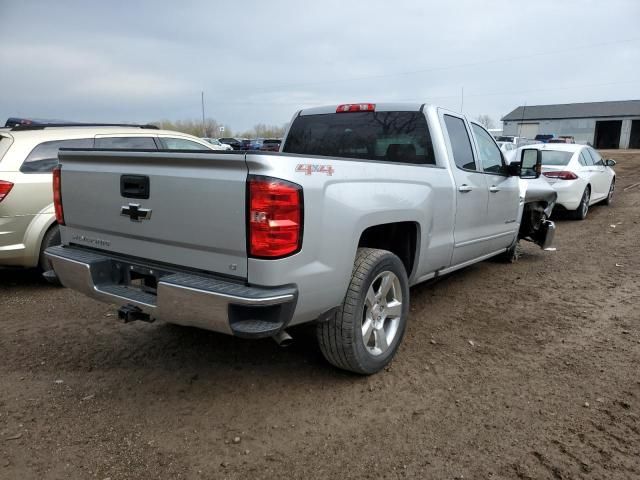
[308, 169]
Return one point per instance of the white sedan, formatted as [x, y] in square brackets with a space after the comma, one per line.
[217, 145]
[579, 175]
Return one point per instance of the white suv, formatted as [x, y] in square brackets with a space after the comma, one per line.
[28, 154]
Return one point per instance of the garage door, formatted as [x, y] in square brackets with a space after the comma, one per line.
[528, 130]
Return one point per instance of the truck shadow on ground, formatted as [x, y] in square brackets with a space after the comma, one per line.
[15, 277]
[81, 336]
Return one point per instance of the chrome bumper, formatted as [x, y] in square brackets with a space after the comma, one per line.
[188, 299]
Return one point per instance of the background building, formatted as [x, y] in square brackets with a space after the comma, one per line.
[601, 124]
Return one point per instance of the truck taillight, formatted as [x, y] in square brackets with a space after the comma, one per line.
[561, 175]
[57, 194]
[356, 107]
[5, 188]
[275, 210]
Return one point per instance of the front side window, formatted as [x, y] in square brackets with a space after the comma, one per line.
[597, 159]
[488, 151]
[398, 137]
[126, 143]
[44, 157]
[585, 159]
[172, 143]
[460, 143]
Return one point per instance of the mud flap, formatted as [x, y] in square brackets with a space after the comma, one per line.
[545, 234]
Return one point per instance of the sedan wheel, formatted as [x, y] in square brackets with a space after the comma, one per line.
[581, 212]
[612, 187]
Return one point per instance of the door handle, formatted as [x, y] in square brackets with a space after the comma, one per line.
[464, 188]
[493, 189]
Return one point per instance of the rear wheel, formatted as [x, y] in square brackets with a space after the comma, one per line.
[612, 187]
[367, 330]
[580, 213]
[50, 239]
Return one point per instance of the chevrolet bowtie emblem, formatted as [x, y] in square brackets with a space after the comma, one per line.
[135, 212]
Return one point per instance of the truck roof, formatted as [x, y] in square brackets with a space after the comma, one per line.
[379, 107]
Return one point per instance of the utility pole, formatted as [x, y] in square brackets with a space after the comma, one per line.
[204, 130]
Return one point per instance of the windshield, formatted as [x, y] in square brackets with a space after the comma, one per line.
[504, 139]
[556, 157]
[387, 136]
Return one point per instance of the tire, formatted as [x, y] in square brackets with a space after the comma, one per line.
[367, 312]
[511, 255]
[580, 213]
[50, 239]
[612, 187]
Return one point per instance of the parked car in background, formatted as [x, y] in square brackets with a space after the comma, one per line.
[217, 145]
[271, 145]
[579, 175]
[543, 138]
[562, 139]
[506, 146]
[515, 140]
[19, 121]
[364, 201]
[245, 144]
[232, 142]
[256, 144]
[28, 155]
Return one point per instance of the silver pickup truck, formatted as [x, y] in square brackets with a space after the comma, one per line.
[362, 202]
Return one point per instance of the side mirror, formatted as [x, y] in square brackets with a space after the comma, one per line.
[530, 163]
[610, 162]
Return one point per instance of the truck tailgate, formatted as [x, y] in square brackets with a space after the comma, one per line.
[193, 216]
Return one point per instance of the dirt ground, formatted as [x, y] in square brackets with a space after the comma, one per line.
[528, 371]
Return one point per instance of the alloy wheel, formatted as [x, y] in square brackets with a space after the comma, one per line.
[382, 312]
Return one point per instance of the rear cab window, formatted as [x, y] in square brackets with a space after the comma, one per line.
[44, 157]
[394, 136]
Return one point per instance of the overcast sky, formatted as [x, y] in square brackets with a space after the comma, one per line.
[258, 62]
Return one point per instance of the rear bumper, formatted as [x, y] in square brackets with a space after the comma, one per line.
[569, 193]
[191, 299]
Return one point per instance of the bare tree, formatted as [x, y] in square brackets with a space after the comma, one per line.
[486, 121]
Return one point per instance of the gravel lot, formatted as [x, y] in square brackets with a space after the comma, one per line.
[507, 371]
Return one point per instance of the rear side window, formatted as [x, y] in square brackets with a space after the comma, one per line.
[585, 159]
[44, 157]
[172, 143]
[5, 143]
[556, 157]
[460, 143]
[127, 143]
[399, 137]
